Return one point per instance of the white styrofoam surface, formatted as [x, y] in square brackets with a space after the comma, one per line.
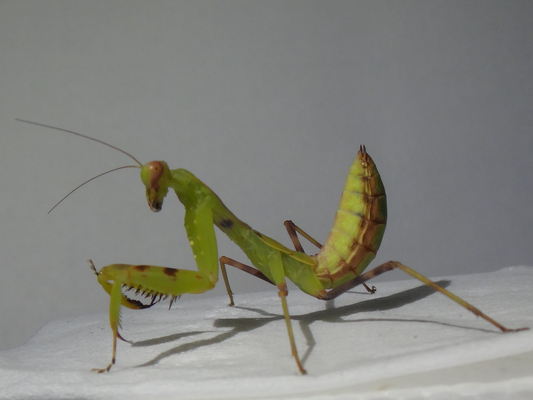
[405, 341]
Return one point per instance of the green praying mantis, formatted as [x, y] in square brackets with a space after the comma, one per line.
[338, 266]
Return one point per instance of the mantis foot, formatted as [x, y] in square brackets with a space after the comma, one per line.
[104, 369]
[371, 290]
[515, 330]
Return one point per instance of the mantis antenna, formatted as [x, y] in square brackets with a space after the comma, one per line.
[90, 138]
[92, 179]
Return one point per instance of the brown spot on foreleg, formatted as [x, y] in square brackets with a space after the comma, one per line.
[171, 272]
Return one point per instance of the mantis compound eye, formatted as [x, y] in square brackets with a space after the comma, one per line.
[154, 171]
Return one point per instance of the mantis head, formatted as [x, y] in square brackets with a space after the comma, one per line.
[156, 177]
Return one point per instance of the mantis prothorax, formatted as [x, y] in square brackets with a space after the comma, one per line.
[338, 266]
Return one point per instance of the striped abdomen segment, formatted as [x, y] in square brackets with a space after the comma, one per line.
[358, 227]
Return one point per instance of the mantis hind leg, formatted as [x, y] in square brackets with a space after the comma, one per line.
[389, 266]
[293, 230]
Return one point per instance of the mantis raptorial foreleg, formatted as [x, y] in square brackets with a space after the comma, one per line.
[151, 281]
[202, 239]
[116, 300]
[160, 282]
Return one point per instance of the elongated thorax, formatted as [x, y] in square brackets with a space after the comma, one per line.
[358, 226]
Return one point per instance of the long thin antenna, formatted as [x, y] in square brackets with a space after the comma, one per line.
[90, 138]
[92, 179]
[84, 136]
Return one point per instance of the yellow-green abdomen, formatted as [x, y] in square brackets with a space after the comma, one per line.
[358, 226]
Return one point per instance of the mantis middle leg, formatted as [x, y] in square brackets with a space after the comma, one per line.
[276, 267]
[243, 267]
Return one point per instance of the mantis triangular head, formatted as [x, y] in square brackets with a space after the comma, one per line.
[156, 177]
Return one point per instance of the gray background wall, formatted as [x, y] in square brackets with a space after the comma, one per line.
[266, 102]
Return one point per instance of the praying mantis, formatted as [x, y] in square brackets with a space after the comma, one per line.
[338, 266]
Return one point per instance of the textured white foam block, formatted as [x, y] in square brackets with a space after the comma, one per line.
[405, 341]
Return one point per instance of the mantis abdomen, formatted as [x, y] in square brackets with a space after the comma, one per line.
[358, 227]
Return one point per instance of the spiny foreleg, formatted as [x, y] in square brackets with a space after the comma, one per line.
[156, 283]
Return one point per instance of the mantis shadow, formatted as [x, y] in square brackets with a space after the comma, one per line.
[334, 314]
[330, 314]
